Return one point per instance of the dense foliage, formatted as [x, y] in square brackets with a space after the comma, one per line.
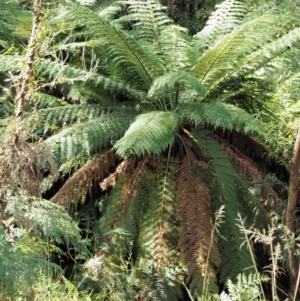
[140, 144]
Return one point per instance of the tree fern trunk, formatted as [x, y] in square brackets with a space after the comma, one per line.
[290, 213]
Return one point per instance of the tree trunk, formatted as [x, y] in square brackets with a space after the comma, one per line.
[22, 94]
[290, 218]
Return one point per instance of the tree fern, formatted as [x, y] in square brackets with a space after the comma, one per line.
[122, 100]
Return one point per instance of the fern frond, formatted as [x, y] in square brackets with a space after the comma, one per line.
[19, 268]
[12, 63]
[177, 48]
[174, 80]
[158, 221]
[88, 138]
[121, 210]
[271, 50]
[148, 18]
[225, 191]
[158, 229]
[83, 81]
[247, 168]
[122, 49]
[6, 109]
[221, 115]
[82, 181]
[226, 56]
[223, 20]
[43, 101]
[123, 207]
[196, 228]
[52, 119]
[246, 288]
[45, 217]
[11, 17]
[150, 133]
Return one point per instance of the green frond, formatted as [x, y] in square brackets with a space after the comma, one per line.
[274, 49]
[148, 18]
[158, 222]
[12, 63]
[150, 133]
[47, 218]
[225, 57]
[176, 47]
[55, 118]
[173, 80]
[12, 17]
[223, 20]
[121, 49]
[170, 42]
[88, 138]
[82, 82]
[221, 115]
[109, 12]
[19, 267]
[6, 108]
[158, 229]
[43, 101]
[225, 190]
[246, 288]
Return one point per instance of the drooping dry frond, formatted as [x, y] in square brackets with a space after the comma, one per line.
[82, 181]
[119, 213]
[243, 164]
[110, 181]
[196, 226]
[19, 167]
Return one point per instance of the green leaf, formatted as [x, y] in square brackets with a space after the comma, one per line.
[221, 115]
[172, 79]
[151, 132]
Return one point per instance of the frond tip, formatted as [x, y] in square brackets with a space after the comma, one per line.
[151, 132]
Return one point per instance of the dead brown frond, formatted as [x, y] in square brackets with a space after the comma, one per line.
[196, 227]
[122, 168]
[129, 190]
[19, 165]
[82, 181]
[245, 166]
